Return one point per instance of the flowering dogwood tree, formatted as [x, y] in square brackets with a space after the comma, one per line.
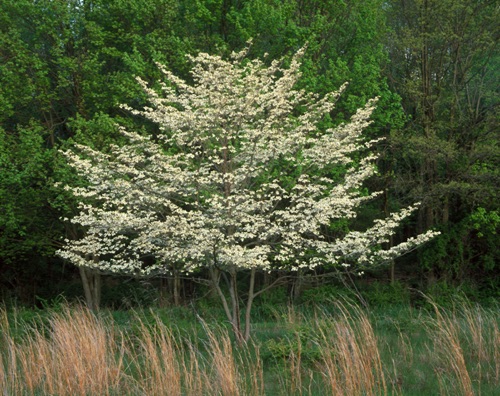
[239, 179]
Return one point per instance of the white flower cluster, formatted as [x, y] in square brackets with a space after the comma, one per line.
[238, 178]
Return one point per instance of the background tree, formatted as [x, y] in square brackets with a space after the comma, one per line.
[445, 66]
[26, 190]
[64, 68]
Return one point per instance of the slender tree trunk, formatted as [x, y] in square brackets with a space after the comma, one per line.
[446, 209]
[297, 286]
[427, 112]
[233, 312]
[91, 281]
[164, 292]
[215, 284]
[248, 310]
[230, 313]
[235, 305]
[176, 289]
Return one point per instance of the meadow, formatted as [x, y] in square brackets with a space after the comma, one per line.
[333, 348]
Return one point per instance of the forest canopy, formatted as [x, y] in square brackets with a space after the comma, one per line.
[66, 67]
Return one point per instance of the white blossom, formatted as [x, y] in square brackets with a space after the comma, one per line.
[238, 178]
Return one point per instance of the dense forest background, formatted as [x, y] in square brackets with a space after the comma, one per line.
[67, 65]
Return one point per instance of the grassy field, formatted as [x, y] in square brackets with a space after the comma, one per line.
[333, 349]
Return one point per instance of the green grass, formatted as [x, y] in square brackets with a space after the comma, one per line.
[332, 348]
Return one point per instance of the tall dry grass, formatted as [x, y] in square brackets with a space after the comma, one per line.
[73, 359]
[166, 363]
[351, 363]
[75, 352]
[466, 345]
[159, 361]
[345, 350]
[79, 353]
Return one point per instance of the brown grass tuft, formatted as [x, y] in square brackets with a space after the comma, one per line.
[72, 357]
[351, 363]
[159, 367]
[452, 372]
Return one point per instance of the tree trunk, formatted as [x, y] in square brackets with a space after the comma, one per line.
[248, 310]
[214, 274]
[164, 292]
[235, 305]
[91, 281]
[298, 282]
[175, 287]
